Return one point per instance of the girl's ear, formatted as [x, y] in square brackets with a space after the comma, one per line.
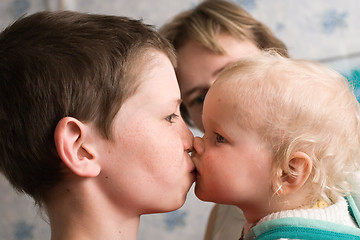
[300, 166]
[74, 149]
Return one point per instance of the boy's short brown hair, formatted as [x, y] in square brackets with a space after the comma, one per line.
[58, 64]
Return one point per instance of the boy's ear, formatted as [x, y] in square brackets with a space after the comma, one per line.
[73, 148]
[301, 166]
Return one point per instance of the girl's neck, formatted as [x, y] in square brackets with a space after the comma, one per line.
[253, 213]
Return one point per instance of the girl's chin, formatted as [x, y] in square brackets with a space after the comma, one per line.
[201, 194]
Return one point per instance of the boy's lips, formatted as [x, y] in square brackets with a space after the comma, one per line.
[194, 172]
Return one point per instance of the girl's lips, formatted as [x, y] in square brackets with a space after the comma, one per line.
[194, 159]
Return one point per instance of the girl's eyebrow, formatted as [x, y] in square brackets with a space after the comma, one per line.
[219, 129]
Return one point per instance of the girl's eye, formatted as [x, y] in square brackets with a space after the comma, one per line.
[220, 139]
[171, 117]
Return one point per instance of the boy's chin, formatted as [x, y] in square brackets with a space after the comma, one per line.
[167, 206]
[164, 210]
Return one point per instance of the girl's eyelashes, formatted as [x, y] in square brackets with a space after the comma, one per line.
[220, 139]
[171, 117]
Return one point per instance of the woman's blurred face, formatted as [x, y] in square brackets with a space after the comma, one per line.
[198, 67]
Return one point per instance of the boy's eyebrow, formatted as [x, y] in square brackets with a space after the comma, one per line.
[179, 102]
[175, 102]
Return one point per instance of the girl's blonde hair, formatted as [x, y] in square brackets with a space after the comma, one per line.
[298, 105]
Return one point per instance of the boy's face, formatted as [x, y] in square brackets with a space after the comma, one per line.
[234, 166]
[147, 165]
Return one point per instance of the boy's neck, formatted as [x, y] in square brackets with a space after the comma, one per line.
[87, 215]
[106, 229]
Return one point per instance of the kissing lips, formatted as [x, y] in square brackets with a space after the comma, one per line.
[194, 173]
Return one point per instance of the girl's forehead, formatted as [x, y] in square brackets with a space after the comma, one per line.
[221, 99]
[224, 87]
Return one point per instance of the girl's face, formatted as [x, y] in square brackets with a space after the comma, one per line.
[198, 67]
[233, 165]
[147, 167]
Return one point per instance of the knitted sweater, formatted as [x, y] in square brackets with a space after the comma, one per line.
[336, 213]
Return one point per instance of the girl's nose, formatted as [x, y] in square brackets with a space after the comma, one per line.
[198, 145]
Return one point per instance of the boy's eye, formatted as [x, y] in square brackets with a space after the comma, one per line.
[220, 139]
[171, 117]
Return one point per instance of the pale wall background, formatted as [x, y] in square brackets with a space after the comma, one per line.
[321, 30]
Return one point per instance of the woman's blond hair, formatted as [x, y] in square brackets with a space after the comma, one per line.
[212, 17]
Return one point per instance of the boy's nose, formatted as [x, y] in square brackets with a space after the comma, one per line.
[187, 137]
[198, 145]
